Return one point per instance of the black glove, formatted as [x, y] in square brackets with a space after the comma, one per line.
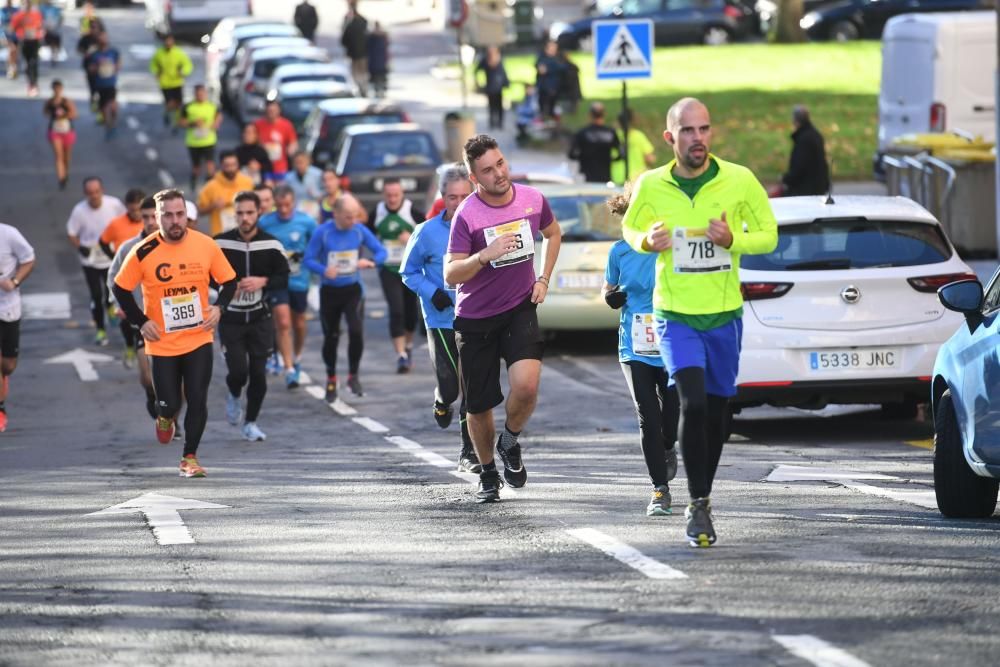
[615, 298]
[84, 251]
[441, 300]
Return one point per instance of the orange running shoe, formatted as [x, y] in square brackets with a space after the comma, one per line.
[190, 467]
[164, 429]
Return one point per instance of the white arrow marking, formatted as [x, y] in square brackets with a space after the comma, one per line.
[629, 555]
[818, 652]
[925, 499]
[848, 479]
[162, 515]
[83, 361]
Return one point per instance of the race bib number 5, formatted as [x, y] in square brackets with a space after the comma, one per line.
[181, 312]
[645, 342]
[694, 252]
[525, 248]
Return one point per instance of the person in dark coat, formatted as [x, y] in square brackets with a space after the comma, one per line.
[354, 39]
[306, 20]
[496, 80]
[378, 60]
[549, 74]
[808, 172]
[595, 146]
[569, 94]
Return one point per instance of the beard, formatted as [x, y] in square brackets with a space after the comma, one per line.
[176, 233]
[498, 189]
[695, 161]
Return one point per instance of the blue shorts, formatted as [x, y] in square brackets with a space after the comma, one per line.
[298, 300]
[716, 350]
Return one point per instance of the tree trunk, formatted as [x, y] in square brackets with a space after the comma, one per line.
[786, 28]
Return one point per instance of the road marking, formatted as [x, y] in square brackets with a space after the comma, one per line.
[343, 409]
[371, 424]
[304, 378]
[925, 499]
[165, 178]
[923, 444]
[316, 392]
[152, 155]
[46, 306]
[626, 554]
[132, 122]
[141, 138]
[420, 452]
[585, 365]
[818, 652]
[787, 473]
[83, 362]
[141, 51]
[162, 515]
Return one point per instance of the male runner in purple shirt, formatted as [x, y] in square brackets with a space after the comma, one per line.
[491, 260]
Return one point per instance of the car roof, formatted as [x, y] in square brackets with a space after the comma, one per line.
[311, 88]
[790, 210]
[383, 128]
[268, 41]
[291, 69]
[356, 105]
[273, 52]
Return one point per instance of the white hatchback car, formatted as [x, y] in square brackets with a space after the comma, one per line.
[845, 309]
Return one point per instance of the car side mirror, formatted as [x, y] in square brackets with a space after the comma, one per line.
[964, 296]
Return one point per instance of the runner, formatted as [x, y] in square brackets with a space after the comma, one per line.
[393, 220]
[217, 197]
[628, 284]
[170, 65]
[17, 259]
[120, 230]
[294, 229]
[202, 120]
[699, 213]
[174, 268]
[490, 253]
[331, 190]
[85, 225]
[334, 255]
[246, 330]
[278, 136]
[29, 26]
[266, 195]
[90, 28]
[6, 16]
[61, 112]
[147, 211]
[307, 183]
[423, 272]
[103, 64]
[53, 17]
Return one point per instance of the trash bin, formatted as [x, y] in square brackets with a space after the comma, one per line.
[524, 20]
[458, 128]
[971, 206]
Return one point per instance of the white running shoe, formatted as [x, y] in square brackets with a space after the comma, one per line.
[234, 411]
[252, 433]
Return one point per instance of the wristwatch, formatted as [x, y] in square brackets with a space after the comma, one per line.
[17, 283]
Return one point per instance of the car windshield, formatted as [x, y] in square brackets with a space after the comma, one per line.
[263, 69]
[628, 7]
[339, 78]
[585, 218]
[391, 150]
[296, 109]
[852, 244]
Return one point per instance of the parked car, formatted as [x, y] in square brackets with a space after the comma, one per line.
[299, 98]
[251, 90]
[228, 36]
[192, 18]
[856, 19]
[674, 21]
[966, 401]
[368, 154]
[767, 11]
[844, 310]
[323, 128]
[243, 57]
[296, 72]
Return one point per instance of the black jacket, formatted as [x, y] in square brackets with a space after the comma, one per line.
[355, 37]
[306, 19]
[595, 146]
[264, 256]
[808, 173]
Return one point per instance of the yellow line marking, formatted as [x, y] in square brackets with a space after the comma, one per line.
[923, 444]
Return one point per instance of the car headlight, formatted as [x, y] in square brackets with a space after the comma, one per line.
[557, 29]
[809, 20]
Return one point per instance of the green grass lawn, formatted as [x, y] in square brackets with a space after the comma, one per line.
[750, 90]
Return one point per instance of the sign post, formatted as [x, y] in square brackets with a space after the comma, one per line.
[623, 50]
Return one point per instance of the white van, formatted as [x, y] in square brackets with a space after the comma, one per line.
[191, 19]
[937, 76]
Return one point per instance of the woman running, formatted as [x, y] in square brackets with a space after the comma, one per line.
[61, 113]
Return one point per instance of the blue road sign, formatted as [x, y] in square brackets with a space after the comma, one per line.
[623, 49]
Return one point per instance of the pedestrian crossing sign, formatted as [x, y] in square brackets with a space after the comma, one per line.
[623, 49]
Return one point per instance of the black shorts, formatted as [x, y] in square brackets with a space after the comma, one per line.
[173, 94]
[296, 299]
[255, 339]
[200, 154]
[511, 336]
[140, 342]
[106, 96]
[10, 339]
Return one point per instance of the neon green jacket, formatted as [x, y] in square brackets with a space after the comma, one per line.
[170, 67]
[735, 191]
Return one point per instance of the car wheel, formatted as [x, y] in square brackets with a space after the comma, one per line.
[904, 410]
[844, 31]
[716, 35]
[961, 493]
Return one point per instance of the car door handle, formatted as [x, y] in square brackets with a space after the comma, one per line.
[983, 107]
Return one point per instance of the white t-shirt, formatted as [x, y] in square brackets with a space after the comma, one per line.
[14, 251]
[88, 224]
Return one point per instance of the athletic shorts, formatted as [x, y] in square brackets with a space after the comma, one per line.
[67, 139]
[716, 350]
[10, 339]
[200, 154]
[511, 336]
[296, 299]
[255, 339]
[173, 94]
[105, 96]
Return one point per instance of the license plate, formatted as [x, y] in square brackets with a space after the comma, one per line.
[579, 281]
[863, 359]
[408, 184]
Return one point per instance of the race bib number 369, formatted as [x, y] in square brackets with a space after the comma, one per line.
[181, 312]
[694, 252]
[524, 238]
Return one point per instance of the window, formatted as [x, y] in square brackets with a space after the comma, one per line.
[391, 150]
[585, 218]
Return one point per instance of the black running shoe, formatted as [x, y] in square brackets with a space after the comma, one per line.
[513, 467]
[354, 384]
[489, 487]
[331, 390]
[700, 532]
[672, 463]
[469, 462]
[443, 414]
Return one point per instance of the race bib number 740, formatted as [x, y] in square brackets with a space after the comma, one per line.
[523, 236]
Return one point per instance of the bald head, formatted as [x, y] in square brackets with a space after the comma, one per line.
[689, 132]
[679, 108]
[345, 209]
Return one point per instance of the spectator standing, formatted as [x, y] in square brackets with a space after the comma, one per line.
[595, 146]
[378, 60]
[569, 94]
[638, 152]
[808, 173]
[306, 20]
[549, 74]
[354, 39]
[496, 80]
[527, 114]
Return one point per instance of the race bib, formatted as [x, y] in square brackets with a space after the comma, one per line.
[695, 253]
[346, 261]
[181, 312]
[525, 248]
[30, 33]
[228, 218]
[395, 249]
[645, 342]
[201, 132]
[245, 299]
[61, 125]
[310, 208]
[106, 69]
[274, 151]
[294, 262]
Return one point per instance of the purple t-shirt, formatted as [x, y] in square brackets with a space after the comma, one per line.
[503, 284]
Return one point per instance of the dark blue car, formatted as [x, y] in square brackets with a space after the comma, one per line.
[966, 401]
[865, 19]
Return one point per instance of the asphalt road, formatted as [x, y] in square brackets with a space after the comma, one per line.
[348, 538]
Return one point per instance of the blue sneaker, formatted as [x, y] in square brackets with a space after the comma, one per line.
[273, 367]
[234, 411]
[292, 378]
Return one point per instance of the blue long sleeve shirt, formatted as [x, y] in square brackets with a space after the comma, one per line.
[294, 235]
[422, 269]
[343, 247]
[635, 274]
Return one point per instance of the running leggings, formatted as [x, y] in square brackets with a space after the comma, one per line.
[97, 285]
[402, 303]
[29, 49]
[444, 357]
[185, 376]
[702, 429]
[349, 302]
[657, 407]
[247, 347]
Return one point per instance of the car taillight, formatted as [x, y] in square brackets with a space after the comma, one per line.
[760, 291]
[938, 116]
[932, 283]
[732, 12]
[345, 182]
[251, 87]
[406, 117]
